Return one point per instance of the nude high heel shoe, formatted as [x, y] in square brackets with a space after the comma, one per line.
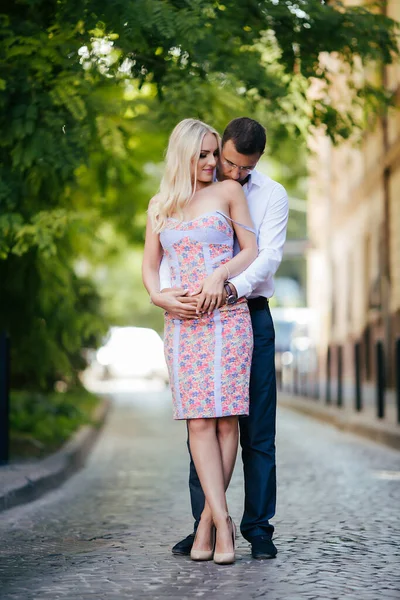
[227, 558]
[200, 555]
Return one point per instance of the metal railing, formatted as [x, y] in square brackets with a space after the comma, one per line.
[330, 387]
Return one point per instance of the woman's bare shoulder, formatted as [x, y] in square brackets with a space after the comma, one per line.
[228, 186]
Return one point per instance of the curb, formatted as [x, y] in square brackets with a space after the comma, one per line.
[357, 423]
[29, 481]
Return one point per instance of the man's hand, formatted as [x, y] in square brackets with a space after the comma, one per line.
[176, 302]
[223, 297]
[210, 292]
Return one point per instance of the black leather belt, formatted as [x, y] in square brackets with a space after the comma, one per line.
[257, 303]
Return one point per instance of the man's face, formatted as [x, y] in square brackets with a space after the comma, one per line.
[233, 165]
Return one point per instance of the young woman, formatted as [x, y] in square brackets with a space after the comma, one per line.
[192, 221]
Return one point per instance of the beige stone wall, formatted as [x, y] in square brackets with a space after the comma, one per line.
[354, 221]
[394, 224]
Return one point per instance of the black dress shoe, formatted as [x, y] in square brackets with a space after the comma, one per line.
[184, 547]
[263, 547]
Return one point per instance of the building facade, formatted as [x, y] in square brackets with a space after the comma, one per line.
[354, 229]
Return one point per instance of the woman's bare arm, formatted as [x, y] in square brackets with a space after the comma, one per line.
[239, 212]
[212, 289]
[171, 300]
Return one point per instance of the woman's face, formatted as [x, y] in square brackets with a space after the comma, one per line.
[207, 159]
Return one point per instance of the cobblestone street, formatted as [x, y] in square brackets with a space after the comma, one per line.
[107, 533]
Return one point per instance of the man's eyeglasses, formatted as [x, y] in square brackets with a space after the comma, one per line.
[230, 166]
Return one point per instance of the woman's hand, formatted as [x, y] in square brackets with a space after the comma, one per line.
[176, 302]
[210, 293]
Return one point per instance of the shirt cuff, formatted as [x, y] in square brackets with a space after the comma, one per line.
[242, 286]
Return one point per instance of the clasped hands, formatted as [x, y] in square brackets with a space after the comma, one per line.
[181, 304]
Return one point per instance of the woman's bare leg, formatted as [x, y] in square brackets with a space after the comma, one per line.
[213, 444]
[228, 439]
[206, 455]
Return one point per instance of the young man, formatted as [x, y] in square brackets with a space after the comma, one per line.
[243, 143]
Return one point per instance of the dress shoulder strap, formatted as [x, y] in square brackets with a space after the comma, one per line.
[236, 223]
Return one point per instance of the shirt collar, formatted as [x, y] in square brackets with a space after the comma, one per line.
[254, 179]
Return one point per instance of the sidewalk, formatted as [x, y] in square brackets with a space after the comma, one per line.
[26, 481]
[364, 423]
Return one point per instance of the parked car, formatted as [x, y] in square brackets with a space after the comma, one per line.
[292, 338]
[133, 352]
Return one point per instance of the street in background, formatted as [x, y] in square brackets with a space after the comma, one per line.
[132, 352]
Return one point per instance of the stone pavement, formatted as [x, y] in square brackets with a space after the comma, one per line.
[107, 532]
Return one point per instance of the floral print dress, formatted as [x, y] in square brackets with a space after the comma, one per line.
[209, 357]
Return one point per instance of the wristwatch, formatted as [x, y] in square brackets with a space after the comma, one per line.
[231, 296]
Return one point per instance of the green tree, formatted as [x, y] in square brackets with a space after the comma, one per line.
[88, 88]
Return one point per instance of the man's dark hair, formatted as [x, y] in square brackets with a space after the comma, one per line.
[247, 135]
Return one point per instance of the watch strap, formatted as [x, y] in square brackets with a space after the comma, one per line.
[227, 288]
[230, 290]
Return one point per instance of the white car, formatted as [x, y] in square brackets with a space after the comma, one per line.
[133, 352]
[293, 343]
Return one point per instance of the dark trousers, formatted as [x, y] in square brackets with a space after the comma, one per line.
[257, 437]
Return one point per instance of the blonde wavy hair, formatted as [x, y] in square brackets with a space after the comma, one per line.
[178, 184]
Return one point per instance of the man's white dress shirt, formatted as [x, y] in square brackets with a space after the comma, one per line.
[269, 210]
